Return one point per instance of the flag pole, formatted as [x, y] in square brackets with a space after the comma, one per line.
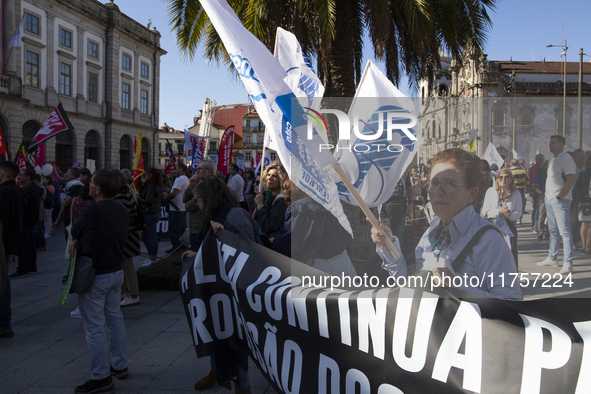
[262, 162]
[372, 219]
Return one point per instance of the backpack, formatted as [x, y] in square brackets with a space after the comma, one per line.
[48, 199]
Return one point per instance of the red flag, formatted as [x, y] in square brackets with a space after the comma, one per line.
[225, 151]
[56, 123]
[170, 153]
[40, 156]
[251, 162]
[56, 174]
[2, 144]
[21, 160]
[179, 155]
[138, 161]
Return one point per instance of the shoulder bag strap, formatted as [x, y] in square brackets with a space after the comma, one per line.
[461, 258]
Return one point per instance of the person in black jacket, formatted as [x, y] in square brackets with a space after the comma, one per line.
[151, 202]
[12, 210]
[27, 259]
[100, 232]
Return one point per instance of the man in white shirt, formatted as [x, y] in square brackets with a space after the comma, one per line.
[237, 182]
[558, 200]
[178, 215]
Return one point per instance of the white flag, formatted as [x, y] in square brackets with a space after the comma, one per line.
[301, 78]
[277, 106]
[492, 156]
[374, 169]
[15, 41]
[516, 155]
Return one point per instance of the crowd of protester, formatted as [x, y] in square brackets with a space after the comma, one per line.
[466, 210]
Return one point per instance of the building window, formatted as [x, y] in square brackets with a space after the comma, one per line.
[213, 145]
[92, 87]
[66, 38]
[247, 156]
[32, 23]
[559, 120]
[180, 147]
[125, 96]
[273, 156]
[499, 116]
[127, 62]
[92, 49]
[144, 102]
[526, 124]
[65, 79]
[32, 70]
[145, 70]
[247, 139]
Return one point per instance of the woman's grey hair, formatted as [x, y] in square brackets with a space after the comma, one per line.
[126, 175]
[210, 165]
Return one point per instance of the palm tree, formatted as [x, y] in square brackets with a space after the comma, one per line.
[405, 34]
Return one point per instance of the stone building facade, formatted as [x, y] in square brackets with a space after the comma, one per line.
[103, 67]
[515, 105]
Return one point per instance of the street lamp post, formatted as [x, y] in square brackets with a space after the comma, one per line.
[580, 105]
[565, 48]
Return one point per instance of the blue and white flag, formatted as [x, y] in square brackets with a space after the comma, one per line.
[15, 40]
[491, 155]
[383, 138]
[196, 157]
[516, 155]
[301, 78]
[277, 106]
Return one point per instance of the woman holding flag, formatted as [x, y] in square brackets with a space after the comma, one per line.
[455, 231]
[271, 203]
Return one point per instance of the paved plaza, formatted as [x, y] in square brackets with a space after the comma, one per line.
[48, 353]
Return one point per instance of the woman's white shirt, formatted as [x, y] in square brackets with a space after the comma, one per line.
[490, 206]
[490, 263]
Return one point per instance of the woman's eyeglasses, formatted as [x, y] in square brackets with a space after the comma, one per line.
[505, 177]
[447, 186]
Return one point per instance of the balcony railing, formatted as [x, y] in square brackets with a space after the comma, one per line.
[253, 129]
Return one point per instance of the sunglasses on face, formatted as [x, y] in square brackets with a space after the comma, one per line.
[505, 177]
[447, 186]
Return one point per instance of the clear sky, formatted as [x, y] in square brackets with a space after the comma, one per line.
[521, 30]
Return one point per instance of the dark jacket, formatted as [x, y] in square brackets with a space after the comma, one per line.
[151, 198]
[196, 216]
[311, 232]
[236, 220]
[270, 218]
[33, 198]
[3, 270]
[12, 211]
[101, 229]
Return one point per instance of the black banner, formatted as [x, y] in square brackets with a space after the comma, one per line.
[382, 341]
[162, 227]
